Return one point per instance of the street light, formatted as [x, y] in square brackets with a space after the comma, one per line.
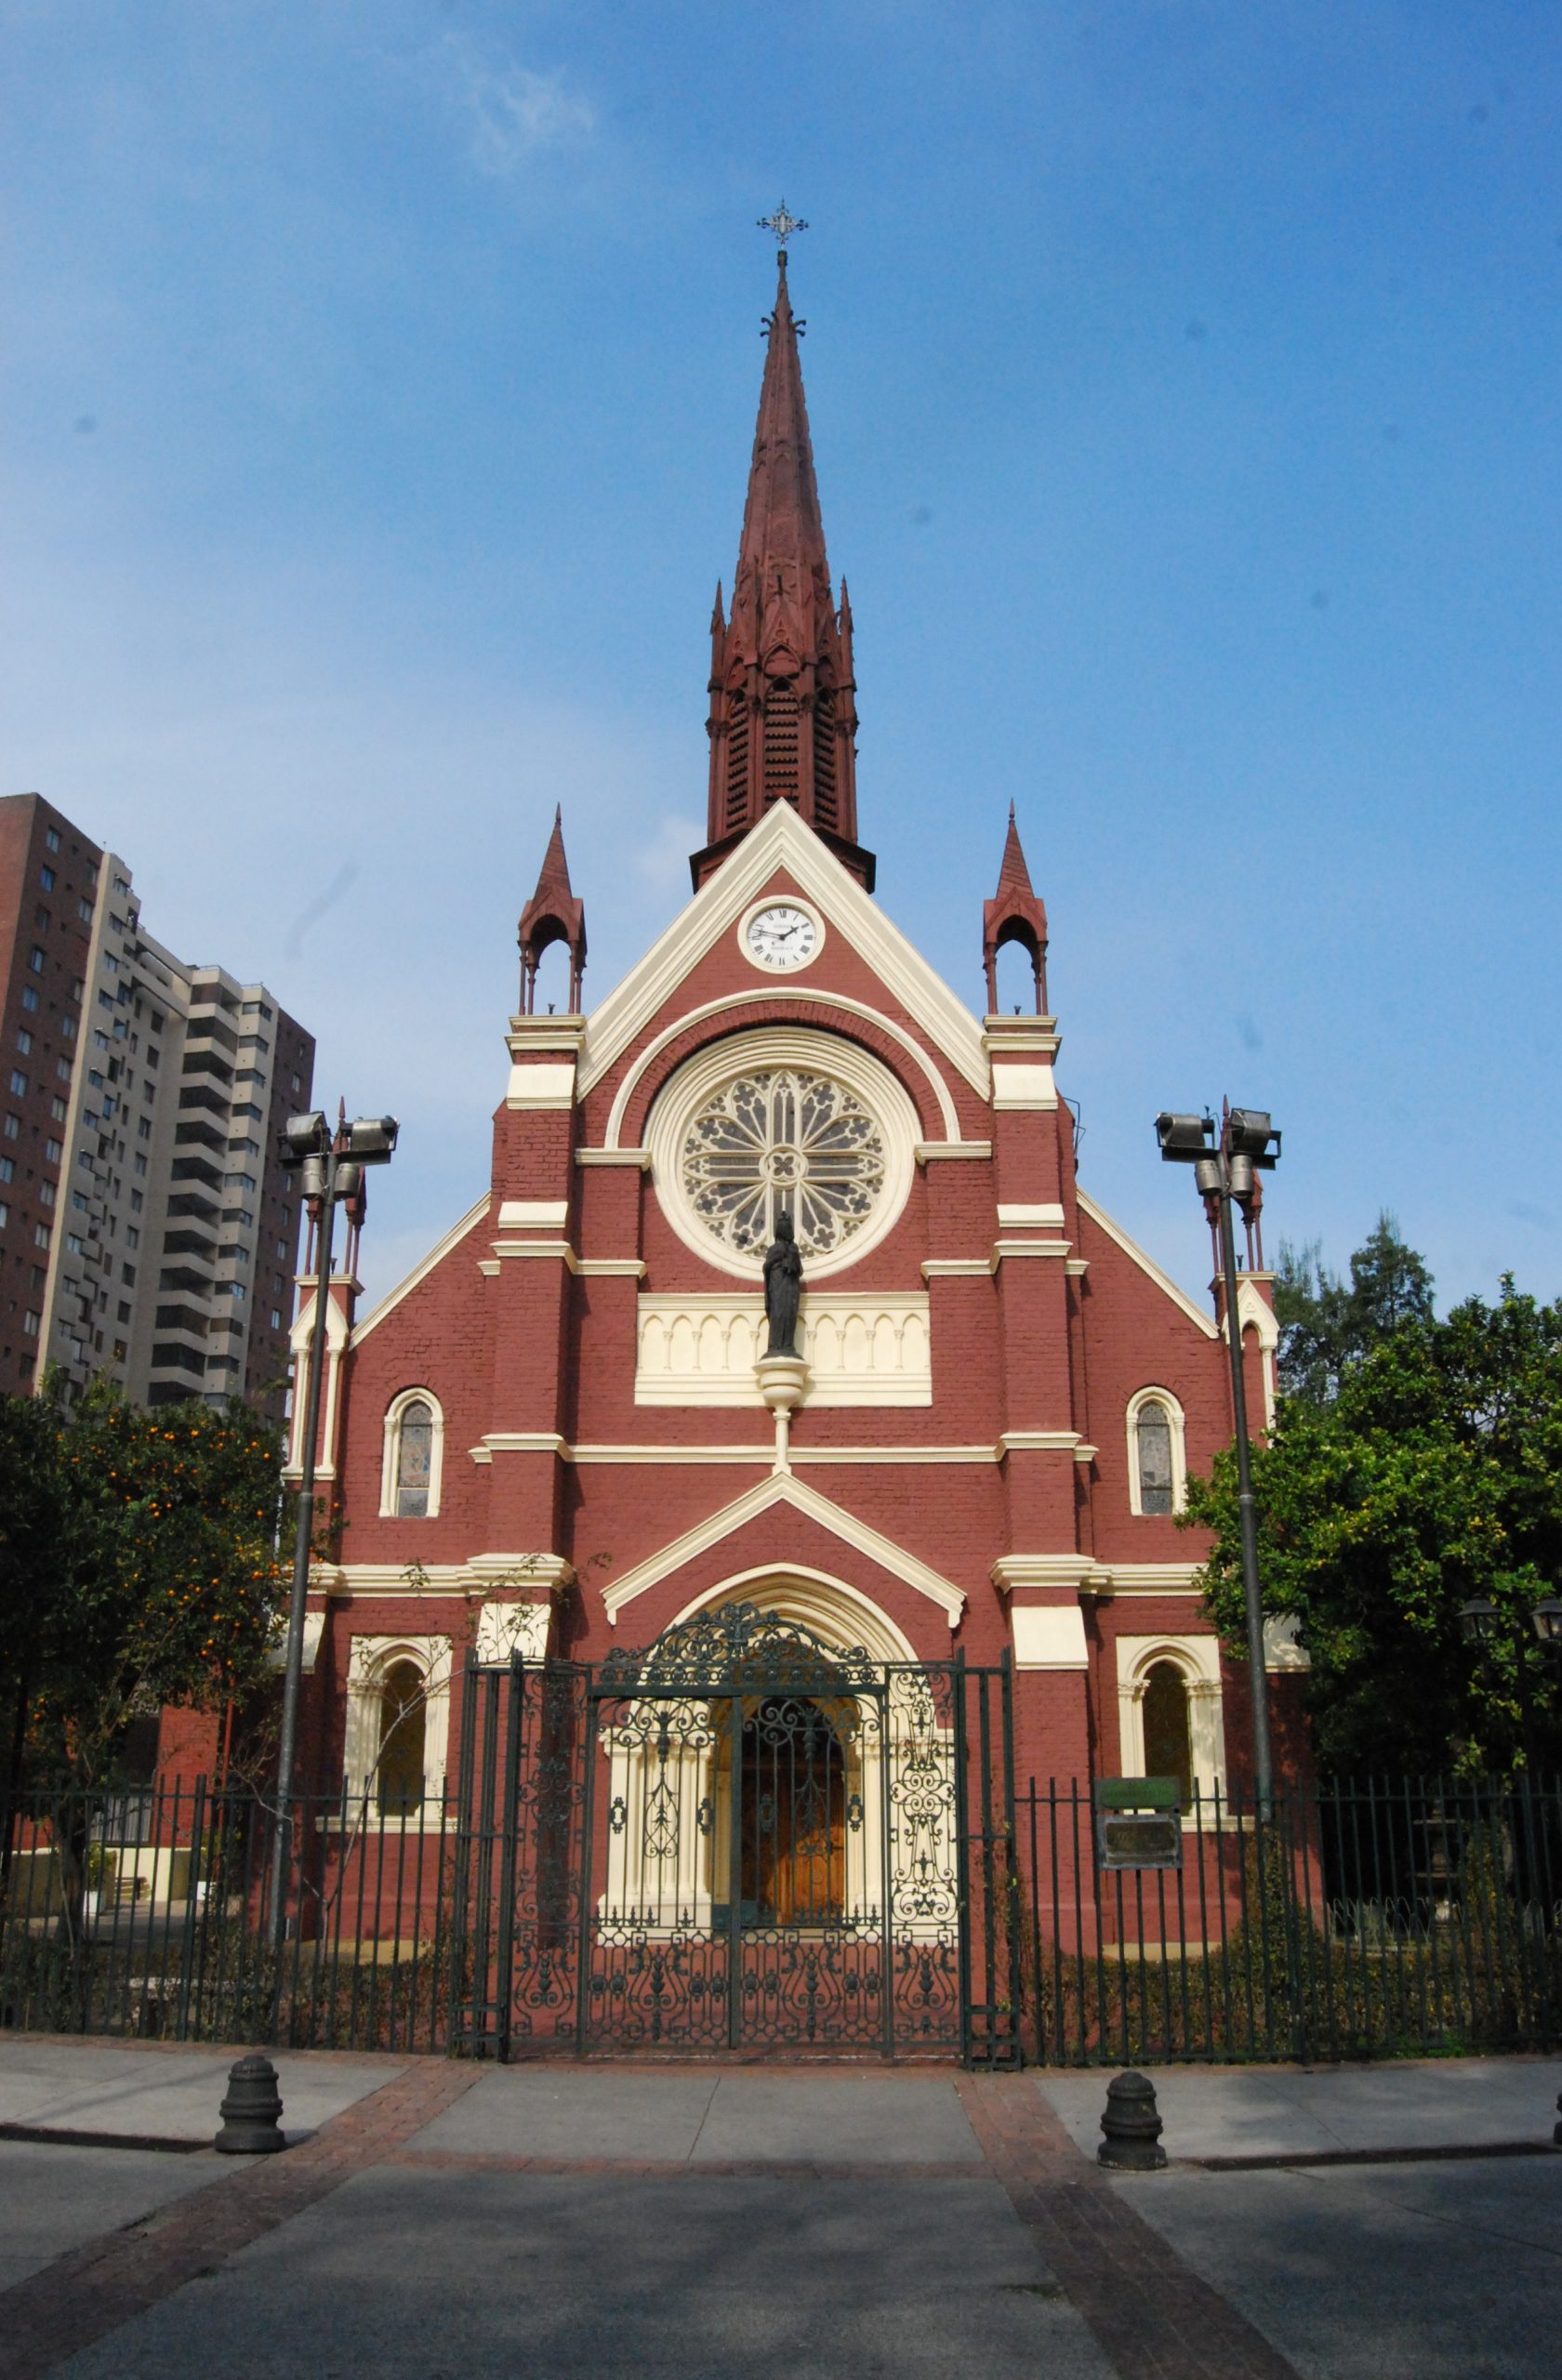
[1224, 1167]
[1480, 1624]
[330, 1167]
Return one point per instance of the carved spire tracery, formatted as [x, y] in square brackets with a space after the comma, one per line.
[783, 714]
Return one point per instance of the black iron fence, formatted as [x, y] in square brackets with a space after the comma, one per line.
[147, 1915]
[1382, 1918]
[1357, 1921]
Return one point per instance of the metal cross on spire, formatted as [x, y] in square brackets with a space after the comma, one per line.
[782, 224]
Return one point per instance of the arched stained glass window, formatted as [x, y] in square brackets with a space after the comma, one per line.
[403, 1707]
[414, 1457]
[1167, 1728]
[1152, 1445]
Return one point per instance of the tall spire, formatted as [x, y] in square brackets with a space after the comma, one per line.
[783, 700]
[552, 915]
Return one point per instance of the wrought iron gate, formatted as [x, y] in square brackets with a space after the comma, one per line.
[737, 1838]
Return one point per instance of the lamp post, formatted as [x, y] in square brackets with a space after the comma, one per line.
[331, 1170]
[1224, 1167]
[1478, 1622]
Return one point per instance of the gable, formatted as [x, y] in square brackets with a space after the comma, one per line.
[781, 840]
[784, 1487]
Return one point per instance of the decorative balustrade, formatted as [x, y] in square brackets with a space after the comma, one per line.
[863, 1350]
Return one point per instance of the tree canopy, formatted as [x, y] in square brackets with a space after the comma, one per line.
[1328, 1324]
[1429, 1473]
[138, 1565]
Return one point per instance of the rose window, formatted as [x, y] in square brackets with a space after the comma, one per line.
[782, 1140]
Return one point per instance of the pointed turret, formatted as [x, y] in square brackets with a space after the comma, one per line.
[552, 915]
[783, 702]
[1015, 914]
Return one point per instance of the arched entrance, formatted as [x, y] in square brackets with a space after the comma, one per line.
[739, 1836]
[793, 1800]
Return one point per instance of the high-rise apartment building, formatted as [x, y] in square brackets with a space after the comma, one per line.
[146, 1228]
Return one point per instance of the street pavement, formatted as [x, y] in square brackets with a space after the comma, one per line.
[750, 2222]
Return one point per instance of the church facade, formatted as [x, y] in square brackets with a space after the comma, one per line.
[563, 1442]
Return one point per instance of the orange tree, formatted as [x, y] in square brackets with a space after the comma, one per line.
[1431, 1476]
[144, 1568]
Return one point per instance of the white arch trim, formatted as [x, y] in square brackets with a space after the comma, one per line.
[370, 1659]
[767, 999]
[785, 1487]
[390, 1453]
[1151, 1395]
[759, 1047]
[840, 1614]
[1198, 1659]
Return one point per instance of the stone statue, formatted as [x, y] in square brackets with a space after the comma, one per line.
[782, 1288]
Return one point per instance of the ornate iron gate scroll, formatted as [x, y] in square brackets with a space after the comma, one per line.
[737, 1837]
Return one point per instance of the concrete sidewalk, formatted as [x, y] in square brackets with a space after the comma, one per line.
[160, 2090]
[761, 2222]
[1278, 2112]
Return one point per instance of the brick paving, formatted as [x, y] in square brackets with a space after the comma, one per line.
[94, 2289]
[1149, 2311]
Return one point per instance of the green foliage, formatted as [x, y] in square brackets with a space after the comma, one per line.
[1327, 1325]
[1433, 1475]
[137, 1565]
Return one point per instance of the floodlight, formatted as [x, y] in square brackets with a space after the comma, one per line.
[371, 1140]
[1248, 1134]
[1184, 1139]
[304, 1136]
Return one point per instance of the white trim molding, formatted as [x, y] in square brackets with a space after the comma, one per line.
[436, 1255]
[1023, 1088]
[783, 856]
[1080, 1571]
[1198, 1659]
[370, 1659]
[338, 1339]
[920, 1057]
[390, 1454]
[784, 1487]
[1147, 1266]
[873, 1349]
[1151, 1394]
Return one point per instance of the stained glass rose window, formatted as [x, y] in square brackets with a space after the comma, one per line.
[781, 1138]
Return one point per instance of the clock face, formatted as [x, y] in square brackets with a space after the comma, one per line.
[781, 935]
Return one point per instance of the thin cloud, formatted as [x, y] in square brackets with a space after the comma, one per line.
[512, 112]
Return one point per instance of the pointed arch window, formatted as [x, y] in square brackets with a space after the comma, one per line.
[1156, 1460]
[412, 1462]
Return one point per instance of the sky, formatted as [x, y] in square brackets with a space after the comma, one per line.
[1184, 380]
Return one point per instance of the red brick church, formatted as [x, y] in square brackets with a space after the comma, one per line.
[561, 1437]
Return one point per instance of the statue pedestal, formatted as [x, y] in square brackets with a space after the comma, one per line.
[783, 1383]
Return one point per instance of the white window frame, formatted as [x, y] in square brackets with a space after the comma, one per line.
[1154, 1395]
[370, 1659]
[392, 1454]
[1198, 1658]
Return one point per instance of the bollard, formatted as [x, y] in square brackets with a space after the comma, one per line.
[1132, 2126]
[1556, 2129]
[250, 2110]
